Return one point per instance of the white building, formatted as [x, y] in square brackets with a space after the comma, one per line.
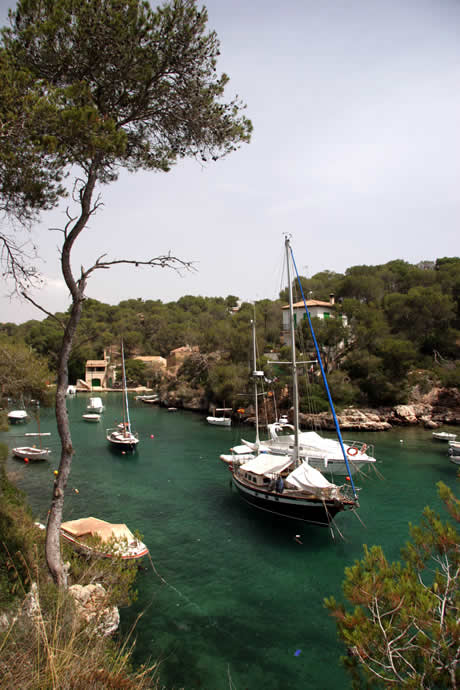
[317, 308]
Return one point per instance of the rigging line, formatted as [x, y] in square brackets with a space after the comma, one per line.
[323, 374]
[358, 517]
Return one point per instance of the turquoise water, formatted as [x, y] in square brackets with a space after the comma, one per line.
[233, 601]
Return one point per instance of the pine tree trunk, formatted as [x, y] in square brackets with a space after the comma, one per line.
[53, 545]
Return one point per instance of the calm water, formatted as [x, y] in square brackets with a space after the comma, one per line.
[233, 602]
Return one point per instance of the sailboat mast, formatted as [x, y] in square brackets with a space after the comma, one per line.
[256, 402]
[125, 393]
[38, 425]
[295, 388]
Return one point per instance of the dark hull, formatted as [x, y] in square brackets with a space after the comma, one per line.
[119, 445]
[310, 510]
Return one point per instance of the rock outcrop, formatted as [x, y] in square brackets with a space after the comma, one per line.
[91, 606]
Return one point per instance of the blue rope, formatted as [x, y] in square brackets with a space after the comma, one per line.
[331, 404]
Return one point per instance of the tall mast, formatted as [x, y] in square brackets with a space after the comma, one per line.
[255, 374]
[295, 388]
[125, 393]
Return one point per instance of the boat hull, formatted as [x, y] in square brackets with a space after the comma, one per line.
[31, 454]
[121, 441]
[91, 417]
[314, 511]
[17, 417]
[86, 550]
[218, 421]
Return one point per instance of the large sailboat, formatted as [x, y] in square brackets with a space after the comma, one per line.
[286, 484]
[122, 436]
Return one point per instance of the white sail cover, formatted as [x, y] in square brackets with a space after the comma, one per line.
[306, 477]
[267, 464]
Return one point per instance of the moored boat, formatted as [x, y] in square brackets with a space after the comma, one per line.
[220, 420]
[94, 537]
[122, 436]
[91, 417]
[286, 485]
[444, 436]
[31, 453]
[17, 416]
[95, 405]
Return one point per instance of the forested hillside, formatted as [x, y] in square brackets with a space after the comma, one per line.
[402, 327]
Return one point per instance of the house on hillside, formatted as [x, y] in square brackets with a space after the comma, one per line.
[154, 360]
[176, 357]
[317, 308]
[98, 374]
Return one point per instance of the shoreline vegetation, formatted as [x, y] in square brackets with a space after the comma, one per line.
[47, 639]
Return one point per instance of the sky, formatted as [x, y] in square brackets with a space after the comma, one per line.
[355, 153]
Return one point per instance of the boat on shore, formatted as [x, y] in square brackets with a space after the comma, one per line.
[98, 538]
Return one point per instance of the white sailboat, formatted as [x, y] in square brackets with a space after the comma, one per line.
[122, 436]
[32, 453]
[287, 485]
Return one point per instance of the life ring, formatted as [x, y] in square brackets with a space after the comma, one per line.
[352, 451]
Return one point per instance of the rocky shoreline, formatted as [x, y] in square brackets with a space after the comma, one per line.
[438, 407]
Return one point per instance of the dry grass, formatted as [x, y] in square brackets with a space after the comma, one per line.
[43, 643]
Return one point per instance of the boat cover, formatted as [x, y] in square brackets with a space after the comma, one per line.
[306, 477]
[240, 450]
[267, 464]
[95, 527]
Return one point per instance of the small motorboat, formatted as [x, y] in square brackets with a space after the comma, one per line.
[95, 405]
[31, 453]
[91, 417]
[17, 416]
[101, 539]
[444, 436]
[220, 420]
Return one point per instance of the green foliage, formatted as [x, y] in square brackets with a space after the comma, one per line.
[126, 76]
[22, 372]
[449, 376]
[403, 628]
[136, 372]
[18, 538]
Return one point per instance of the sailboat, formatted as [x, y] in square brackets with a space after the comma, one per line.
[287, 485]
[122, 436]
[32, 453]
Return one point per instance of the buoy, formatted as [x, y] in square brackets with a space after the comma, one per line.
[26, 459]
[347, 478]
[152, 436]
[76, 491]
[123, 452]
[56, 472]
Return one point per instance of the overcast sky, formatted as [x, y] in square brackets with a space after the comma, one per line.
[355, 152]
